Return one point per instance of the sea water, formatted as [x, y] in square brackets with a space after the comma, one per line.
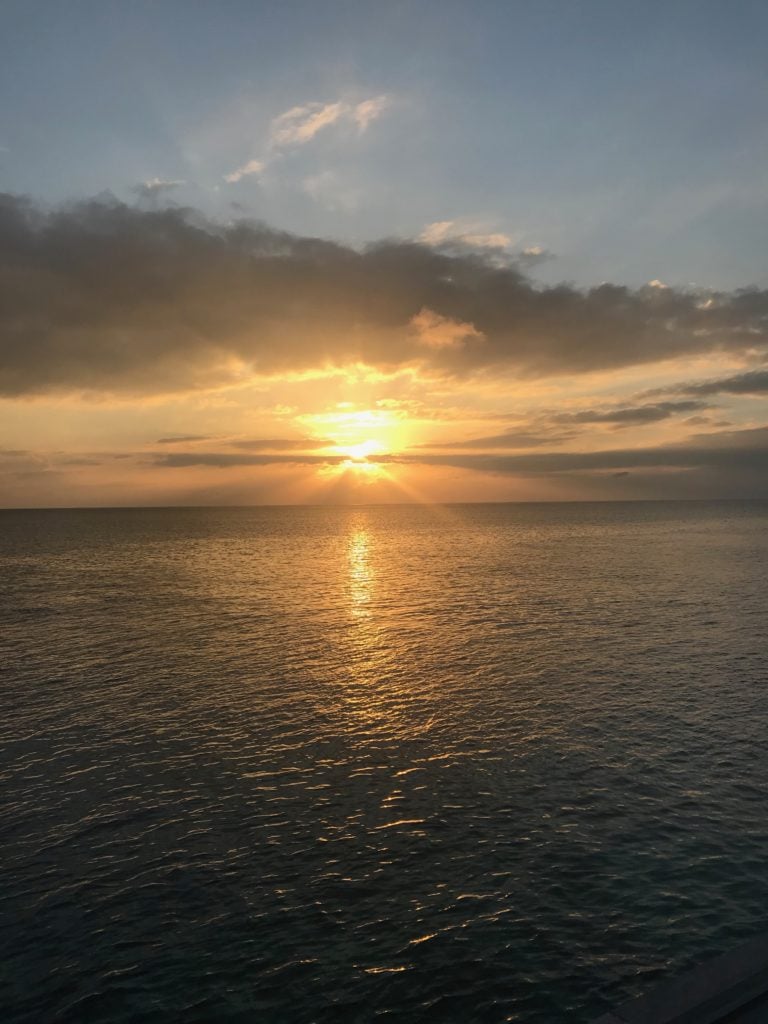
[451, 764]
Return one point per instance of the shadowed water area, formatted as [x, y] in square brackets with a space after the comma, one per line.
[474, 763]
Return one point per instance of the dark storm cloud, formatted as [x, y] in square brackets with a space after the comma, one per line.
[106, 297]
[631, 416]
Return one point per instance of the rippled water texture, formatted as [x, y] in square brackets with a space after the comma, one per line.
[478, 763]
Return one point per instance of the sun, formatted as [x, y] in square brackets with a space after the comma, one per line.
[358, 433]
[356, 436]
[357, 460]
[360, 451]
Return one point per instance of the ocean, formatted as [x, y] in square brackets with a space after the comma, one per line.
[402, 763]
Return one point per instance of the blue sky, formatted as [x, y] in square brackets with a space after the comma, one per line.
[628, 140]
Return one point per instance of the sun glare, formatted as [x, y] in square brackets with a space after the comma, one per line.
[361, 450]
[359, 434]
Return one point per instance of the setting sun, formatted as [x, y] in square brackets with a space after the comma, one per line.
[361, 450]
[359, 433]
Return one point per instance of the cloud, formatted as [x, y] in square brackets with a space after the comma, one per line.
[738, 449]
[182, 439]
[755, 382]
[100, 296]
[300, 125]
[251, 167]
[706, 421]
[456, 238]
[369, 110]
[440, 332]
[631, 416]
[546, 430]
[509, 439]
[228, 460]
[703, 466]
[156, 186]
[282, 444]
[450, 233]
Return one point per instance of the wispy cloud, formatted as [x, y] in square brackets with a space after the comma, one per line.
[300, 125]
[369, 110]
[461, 236]
[442, 232]
[251, 167]
[631, 416]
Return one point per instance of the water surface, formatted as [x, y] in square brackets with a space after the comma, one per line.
[476, 763]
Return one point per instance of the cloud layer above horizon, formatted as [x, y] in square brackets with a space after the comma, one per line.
[104, 305]
[103, 296]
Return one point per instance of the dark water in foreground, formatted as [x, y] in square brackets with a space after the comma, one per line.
[480, 763]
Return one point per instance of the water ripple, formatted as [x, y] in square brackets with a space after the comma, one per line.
[485, 763]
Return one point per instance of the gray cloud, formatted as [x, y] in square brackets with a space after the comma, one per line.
[282, 444]
[182, 439]
[509, 439]
[631, 416]
[737, 449]
[619, 417]
[734, 449]
[706, 421]
[157, 186]
[755, 382]
[106, 297]
[225, 460]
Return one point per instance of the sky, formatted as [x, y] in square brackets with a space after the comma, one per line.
[414, 250]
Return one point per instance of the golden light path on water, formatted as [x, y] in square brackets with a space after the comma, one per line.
[378, 678]
[360, 572]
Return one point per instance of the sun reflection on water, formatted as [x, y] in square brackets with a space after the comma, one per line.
[360, 572]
